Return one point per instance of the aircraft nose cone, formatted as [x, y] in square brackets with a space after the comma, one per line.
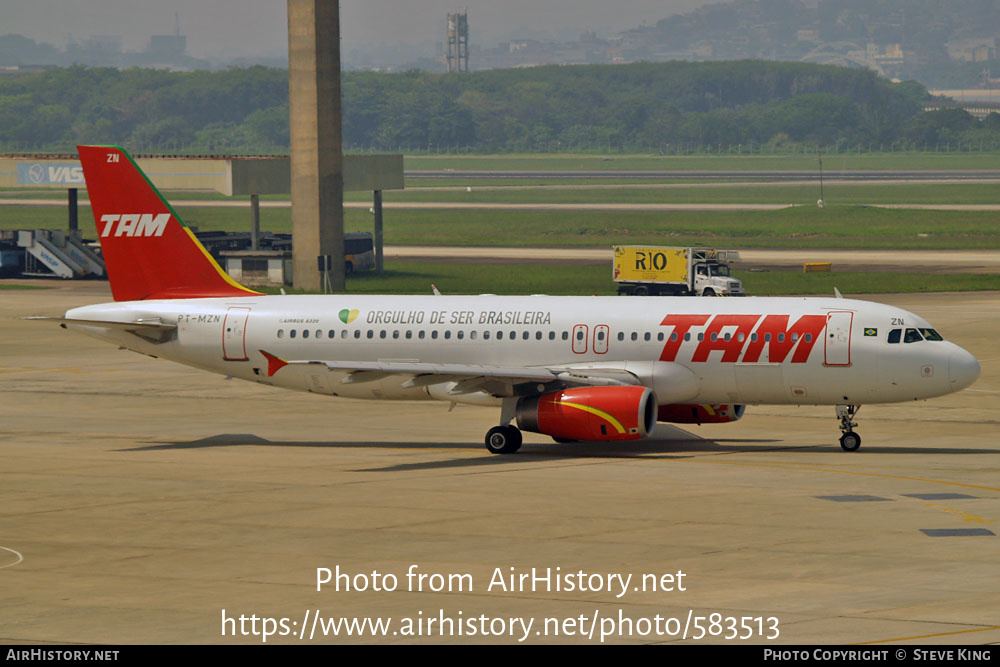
[963, 369]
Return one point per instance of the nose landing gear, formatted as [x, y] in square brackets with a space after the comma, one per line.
[849, 441]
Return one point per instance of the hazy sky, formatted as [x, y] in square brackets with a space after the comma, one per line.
[226, 28]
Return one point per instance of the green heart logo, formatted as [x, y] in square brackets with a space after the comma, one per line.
[348, 316]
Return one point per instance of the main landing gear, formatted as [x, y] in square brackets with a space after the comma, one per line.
[506, 438]
[849, 441]
[503, 440]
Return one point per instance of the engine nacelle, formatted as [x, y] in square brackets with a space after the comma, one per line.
[590, 413]
[700, 414]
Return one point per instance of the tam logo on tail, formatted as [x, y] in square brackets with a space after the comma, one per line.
[148, 250]
[135, 224]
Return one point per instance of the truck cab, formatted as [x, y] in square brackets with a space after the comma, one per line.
[714, 279]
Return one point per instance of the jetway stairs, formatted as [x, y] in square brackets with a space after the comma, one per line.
[60, 253]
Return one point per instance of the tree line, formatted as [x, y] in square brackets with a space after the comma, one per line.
[645, 107]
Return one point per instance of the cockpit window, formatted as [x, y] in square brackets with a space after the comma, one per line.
[895, 335]
[931, 334]
[912, 336]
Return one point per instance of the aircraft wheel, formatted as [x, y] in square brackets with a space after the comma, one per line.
[503, 440]
[850, 442]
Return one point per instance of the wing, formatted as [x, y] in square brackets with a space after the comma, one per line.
[468, 378]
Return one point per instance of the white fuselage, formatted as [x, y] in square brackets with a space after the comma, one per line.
[751, 350]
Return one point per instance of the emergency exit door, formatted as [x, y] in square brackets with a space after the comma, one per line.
[838, 338]
[234, 330]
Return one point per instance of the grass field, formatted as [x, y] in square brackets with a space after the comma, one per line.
[725, 162]
[844, 223]
[640, 193]
[876, 193]
[798, 227]
[460, 278]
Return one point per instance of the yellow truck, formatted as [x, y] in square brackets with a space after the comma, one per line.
[655, 270]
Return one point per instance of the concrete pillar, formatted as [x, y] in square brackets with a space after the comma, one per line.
[74, 211]
[377, 207]
[317, 152]
[255, 222]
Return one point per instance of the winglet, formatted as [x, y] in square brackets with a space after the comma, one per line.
[148, 251]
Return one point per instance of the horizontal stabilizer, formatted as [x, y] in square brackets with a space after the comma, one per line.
[153, 331]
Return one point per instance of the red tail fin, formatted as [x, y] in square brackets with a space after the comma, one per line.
[149, 253]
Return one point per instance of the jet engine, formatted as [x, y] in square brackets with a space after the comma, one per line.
[590, 413]
[700, 414]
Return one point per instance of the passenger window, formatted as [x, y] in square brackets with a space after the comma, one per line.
[370, 334]
[281, 333]
[673, 337]
[499, 335]
[461, 335]
[331, 334]
[621, 335]
[409, 334]
[565, 335]
[912, 336]
[434, 334]
[381, 334]
[395, 334]
[291, 333]
[447, 335]
[319, 334]
[538, 335]
[525, 335]
[486, 335]
[552, 335]
[357, 333]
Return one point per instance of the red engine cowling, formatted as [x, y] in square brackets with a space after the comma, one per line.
[590, 413]
[700, 414]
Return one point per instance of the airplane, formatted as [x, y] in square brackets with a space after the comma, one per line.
[575, 368]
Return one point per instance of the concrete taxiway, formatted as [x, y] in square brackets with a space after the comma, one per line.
[146, 502]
